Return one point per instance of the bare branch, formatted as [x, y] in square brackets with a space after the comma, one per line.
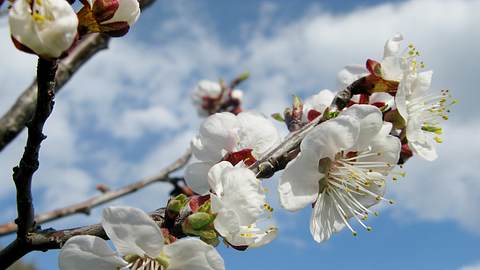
[85, 206]
[22, 174]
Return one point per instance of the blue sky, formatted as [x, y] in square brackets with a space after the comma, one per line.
[127, 113]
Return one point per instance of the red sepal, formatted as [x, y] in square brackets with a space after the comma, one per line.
[374, 67]
[244, 155]
[312, 114]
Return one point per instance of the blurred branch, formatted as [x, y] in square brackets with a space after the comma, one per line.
[85, 206]
[14, 120]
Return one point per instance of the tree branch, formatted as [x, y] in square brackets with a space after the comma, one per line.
[278, 158]
[85, 206]
[22, 174]
[14, 120]
[52, 239]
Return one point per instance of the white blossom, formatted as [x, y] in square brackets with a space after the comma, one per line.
[392, 66]
[140, 244]
[110, 17]
[423, 112]
[46, 27]
[341, 169]
[315, 105]
[238, 200]
[225, 136]
[207, 94]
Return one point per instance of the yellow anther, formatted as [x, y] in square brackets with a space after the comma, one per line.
[438, 139]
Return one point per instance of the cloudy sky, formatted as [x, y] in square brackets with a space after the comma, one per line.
[127, 113]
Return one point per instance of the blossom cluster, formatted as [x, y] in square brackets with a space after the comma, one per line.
[50, 28]
[341, 167]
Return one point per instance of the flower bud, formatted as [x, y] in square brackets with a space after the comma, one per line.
[112, 17]
[176, 204]
[44, 27]
[199, 220]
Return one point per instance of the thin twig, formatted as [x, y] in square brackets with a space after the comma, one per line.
[85, 206]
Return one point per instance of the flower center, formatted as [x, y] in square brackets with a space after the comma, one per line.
[39, 13]
[350, 184]
[432, 111]
[147, 263]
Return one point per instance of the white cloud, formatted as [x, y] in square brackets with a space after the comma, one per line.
[471, 267]
[448, 188]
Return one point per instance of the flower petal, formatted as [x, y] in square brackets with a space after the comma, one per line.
[349, 74]
[325, 219]
[196, 176]
[193, 254]
[392, 46]
[132, 231]
[242, 193]
[318, 102]
[218, 133]
[215, 176]
[227, 222]
[331, 137]
[88, 252]
[419, 142]
[421, 84]
[257, 132]
[370, 123]
[298, 185]
[128, 11]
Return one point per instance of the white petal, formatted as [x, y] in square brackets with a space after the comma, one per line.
[196, 176]
[193, 254]
[257, 132]
[318, 102]
[218, 132]
[392, 46]
[132, 231]
[425, 149]
[325, 219]
[227, 223]
[88, 252]
[381, 97]
[370, 123]
[51, 37]
[349, 74]
[330, 137]
[265, 239]
[419, 142]
[421, 84]
[392, 68]
[243, 194]
[215, 176]
[128, 11]
[401, 99]
[298, 185]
